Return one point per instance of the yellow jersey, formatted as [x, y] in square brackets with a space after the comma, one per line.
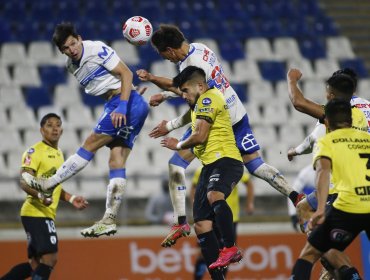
[233, 198]
[349, 152]
[44, 160]
[211, 106]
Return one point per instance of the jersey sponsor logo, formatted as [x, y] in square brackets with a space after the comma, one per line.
[205, 110]
[53, 239]
[31, 151]
[364, 190]
[51, 156]
[214, 178]
[181, 188]
[249, 142]
[124, 132]
[340, 235]
[103, 53]
[206, 101]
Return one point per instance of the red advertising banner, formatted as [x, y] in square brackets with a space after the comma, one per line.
[266, 256]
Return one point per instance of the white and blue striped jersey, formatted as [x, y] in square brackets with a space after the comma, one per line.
[364, 106]
[201, 56]
[92, 71]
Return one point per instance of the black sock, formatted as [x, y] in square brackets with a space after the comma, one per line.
[293, 196]
[20, 271]
[181, 220]
[200, 268]
[210, 250]
[224, 221]
[301, 270]
[42, 272]
[349, 273]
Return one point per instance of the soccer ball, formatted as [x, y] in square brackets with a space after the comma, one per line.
[137, 30]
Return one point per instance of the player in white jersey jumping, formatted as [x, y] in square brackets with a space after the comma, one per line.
[100, 71]
[171, 44]
[307, 206]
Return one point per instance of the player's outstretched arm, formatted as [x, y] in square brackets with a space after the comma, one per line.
[297, 98]
[79, 202]
[308, 143]
[164, 127]
[162, 82]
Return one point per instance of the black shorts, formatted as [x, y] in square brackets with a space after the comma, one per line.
[221, 175]
[41, 236]
[339, 230]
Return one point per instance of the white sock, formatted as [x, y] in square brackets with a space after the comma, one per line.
[69, 168]
[177, 190]
[115, 190]
[271, 175]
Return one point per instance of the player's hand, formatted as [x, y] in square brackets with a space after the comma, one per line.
[143, 75]
[156, 99]
[170, 143]
[317, 219]
[249, 209]
[80, 202]
[294, 75]
[291, 154]
[47, 201]
[159, 130]
[118, 119]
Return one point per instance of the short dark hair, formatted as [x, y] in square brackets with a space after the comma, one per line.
[350, 72]
[48, 116]
[167, 35]
[187, 74]
[341, 85]
[338, 113]
[62, 31]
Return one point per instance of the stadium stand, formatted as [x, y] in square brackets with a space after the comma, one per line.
[257, 40]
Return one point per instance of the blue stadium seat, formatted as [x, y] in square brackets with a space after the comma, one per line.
[91, 101]
[6, 34]
[43, 11]
[241, 91]
[271, 29]
[356, 64]
[312, 48]
[37, 97]
[243, 29]
[149, 9]
[273, 71]
[231, 50]
[193, 29]
[52, 75]
[325, 26]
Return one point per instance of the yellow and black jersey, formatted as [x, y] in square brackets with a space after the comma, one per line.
[349, 152]
[359, 120]
[211, 106]
[44, 160]
[233, 198]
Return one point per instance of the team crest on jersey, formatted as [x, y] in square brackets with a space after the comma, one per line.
[31, 151]
[206, 101]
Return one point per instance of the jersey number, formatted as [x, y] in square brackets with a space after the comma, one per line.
[367, 164]
[51, 226]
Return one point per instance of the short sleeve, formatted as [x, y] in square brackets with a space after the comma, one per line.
[207, 108]
[30, 160]
[322, 149]
[107, 57]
